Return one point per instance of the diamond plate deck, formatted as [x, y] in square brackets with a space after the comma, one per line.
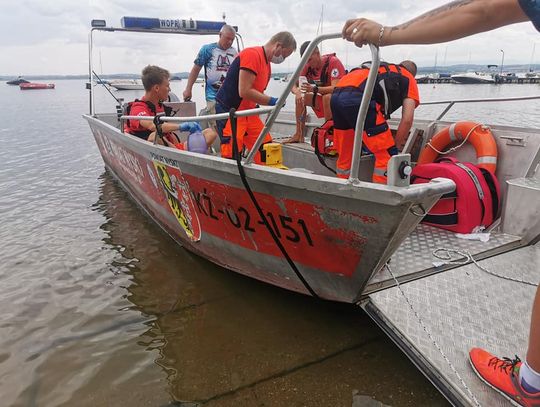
[414, 258]
[462, 308]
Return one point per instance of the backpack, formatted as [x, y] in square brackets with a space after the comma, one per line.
[322, 140]
[475, 201]
[388, 91]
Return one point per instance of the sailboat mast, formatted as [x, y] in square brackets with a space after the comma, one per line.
[320, 26]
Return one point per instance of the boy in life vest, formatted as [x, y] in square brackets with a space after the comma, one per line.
[396, 87]
[156, 85]
[244, 87]
[322, 74]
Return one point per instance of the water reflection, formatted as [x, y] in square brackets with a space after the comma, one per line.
[224, 339]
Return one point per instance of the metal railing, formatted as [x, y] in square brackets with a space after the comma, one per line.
[92, 107]
[362, 112]
[451, 103]
[218, 116]
[283, 97]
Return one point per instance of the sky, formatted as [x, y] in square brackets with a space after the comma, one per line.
[48, 37]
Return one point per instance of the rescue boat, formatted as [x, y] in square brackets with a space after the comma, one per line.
[302, 229]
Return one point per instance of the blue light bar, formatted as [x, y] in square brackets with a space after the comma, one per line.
[171, 24]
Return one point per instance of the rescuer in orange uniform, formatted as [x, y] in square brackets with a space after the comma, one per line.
[401, 91]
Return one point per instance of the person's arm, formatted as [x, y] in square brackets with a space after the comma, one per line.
[165, 127]
[454, 20]
[246, 91]
[191, 80]
[323, 90]
[296, 88]
[405, 124]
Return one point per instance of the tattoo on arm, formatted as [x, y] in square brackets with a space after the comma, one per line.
[440, 10]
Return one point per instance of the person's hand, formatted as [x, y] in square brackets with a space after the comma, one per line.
[307, 87]
[361, 31]
[187, 95]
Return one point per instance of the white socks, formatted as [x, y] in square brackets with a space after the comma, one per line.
[530, 380]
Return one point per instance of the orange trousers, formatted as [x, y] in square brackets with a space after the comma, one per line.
[381, 145]
[247, 130]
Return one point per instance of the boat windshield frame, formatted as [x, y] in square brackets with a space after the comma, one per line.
[274, 111]
[181, 31]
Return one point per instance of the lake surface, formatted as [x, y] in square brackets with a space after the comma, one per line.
[100, 307]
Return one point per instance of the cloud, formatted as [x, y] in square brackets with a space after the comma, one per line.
[56, 33]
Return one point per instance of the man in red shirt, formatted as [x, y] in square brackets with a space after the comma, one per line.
[244, 88]
[322, 74]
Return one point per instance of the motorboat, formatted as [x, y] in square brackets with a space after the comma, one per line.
[345, 240]
[127, 84]
[473, 77]
[336, 233]
[33, 85]
[17, 81]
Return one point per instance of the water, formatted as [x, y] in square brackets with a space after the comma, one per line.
[100, 307]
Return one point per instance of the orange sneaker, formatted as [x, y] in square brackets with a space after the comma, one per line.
[503, 376]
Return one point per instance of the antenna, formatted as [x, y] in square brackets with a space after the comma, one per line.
[223, 16]
[320, 26]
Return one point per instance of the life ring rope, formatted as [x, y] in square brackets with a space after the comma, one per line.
[476, 134]
[452, 149]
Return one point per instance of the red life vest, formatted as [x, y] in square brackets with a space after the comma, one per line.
[137, 131]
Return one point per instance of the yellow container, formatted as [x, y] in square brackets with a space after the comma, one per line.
[274, 156]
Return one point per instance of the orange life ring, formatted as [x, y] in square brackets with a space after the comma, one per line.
[478, 135]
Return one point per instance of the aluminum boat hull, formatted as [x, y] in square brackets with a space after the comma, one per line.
[337, 234]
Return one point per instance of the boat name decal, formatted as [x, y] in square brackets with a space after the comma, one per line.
[165, 160]
[294, 230]
[127, 160]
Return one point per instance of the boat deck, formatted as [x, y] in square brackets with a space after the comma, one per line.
[414, 259]
[461, 308]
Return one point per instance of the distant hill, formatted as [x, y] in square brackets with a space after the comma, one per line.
[184, 75]
[474, 67]
[181, 75]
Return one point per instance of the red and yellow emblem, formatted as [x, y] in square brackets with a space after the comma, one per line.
[179, 199]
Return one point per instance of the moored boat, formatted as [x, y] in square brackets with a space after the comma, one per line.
[17, 81]
[33, 85]
[127, 84]
[473, 77]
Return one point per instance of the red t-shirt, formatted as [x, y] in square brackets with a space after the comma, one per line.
[254, 60]
[333, 69]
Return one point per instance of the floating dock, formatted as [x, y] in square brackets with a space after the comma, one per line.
[461, 308]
